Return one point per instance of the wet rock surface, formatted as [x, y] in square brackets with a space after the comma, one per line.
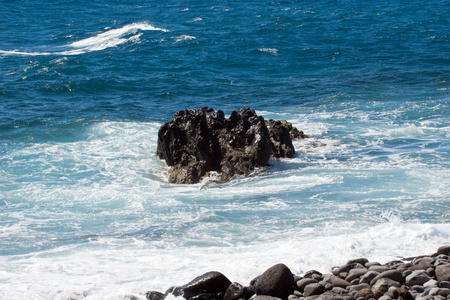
[211, 285]
[277, 281]
[197, 142]
[422, 278]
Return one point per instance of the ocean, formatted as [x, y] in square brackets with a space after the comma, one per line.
[86, 210]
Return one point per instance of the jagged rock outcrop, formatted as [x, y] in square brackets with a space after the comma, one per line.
[280, 138]
[199, 141]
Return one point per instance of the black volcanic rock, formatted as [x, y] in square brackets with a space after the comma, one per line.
[236, 291]
[277, 281]
[281, 139]
[395, 281]
[211, 285]
[199, 141]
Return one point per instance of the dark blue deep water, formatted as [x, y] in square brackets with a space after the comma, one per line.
[86, 211]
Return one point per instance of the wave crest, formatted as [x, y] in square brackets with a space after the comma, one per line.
[101, 41]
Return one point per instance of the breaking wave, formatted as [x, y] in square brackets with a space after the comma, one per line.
[108, 39]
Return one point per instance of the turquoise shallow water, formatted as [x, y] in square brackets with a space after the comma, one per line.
[86, 211]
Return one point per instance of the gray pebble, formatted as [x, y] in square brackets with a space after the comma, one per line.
[444, 292]
[418, 288]
[430, 283]
[340, 282]
[378, 269]
[358, 287]
[443, 272]
[444, 284]
[367, 278]
[372, 263]
[292, 297]
[313, 289]
[355, 273]
[338, 290]
[301, 284]
[383, 285]
[417, 277]
[395, 275]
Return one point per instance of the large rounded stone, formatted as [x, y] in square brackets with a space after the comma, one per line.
[417, 277]
[355, 273]
[422, 263]
[302, 283]
[358, 287]
[340, 282]
[395, 275]
[277, 281]
[383, 285]
[361, 261]
[444, 250]
[314, 289]
[364, 293]
[208, 283]
[379, 269]
[367, 278]
[443, 272]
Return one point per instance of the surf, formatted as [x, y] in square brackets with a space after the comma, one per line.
[101, 41]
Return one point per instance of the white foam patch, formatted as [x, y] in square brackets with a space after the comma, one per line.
[272, 51]
[407, 131]
[101, 41]
[115, 269]
[198, 19]
[183, 38]
[309, 212]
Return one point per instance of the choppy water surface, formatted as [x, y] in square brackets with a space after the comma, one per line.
[86, 211]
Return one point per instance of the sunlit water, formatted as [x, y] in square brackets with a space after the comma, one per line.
[86, 211]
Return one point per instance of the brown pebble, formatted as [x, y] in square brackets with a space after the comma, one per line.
[366, 293]
[444, 250]
[377, 294]
[340, 282]
[313, 289]
[301, 284]
[395, 275]
[443, 272]
[402, 292]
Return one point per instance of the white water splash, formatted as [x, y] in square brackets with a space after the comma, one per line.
[101, 41]
[184, 37]
[100, 221]
[272, 51]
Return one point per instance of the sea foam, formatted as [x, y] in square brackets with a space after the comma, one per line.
[108, 39]
[111, 269]
[100, 220]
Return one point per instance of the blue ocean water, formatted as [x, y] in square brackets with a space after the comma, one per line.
[86, 211]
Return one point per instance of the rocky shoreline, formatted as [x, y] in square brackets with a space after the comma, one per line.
[421, 277]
